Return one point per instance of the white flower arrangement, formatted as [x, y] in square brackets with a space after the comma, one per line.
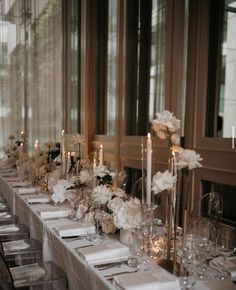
[84, 177]
[103, 174]
[186, 158]
[106, 221]
[60, 190]
[127, 214]
[163, 181]
[165, 125]
[102, 194]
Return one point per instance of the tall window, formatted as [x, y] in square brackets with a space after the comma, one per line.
[145, 70]
[222, 65]
[73, 20]
[106, 66]
[31, 79]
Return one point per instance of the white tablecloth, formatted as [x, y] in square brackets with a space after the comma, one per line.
[80, 275]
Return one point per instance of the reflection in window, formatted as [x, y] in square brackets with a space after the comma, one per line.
[111, 67]
[133, 183]
[157, 66]
[145, 63]
[73, 67]
[31, 91]
[221, 113]
[106, 66]
[227, 194]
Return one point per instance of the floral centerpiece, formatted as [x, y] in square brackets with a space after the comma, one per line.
[166, 126]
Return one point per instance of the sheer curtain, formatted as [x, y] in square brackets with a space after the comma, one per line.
[31, 69]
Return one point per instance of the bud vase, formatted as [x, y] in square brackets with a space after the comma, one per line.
[126, 236]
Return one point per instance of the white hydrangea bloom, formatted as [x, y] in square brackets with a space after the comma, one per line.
[165, 121]
[101, 171]
[127, 214]
[59, 190]
[84, 176]
[163, 181]
[102, 194]
[188, 158]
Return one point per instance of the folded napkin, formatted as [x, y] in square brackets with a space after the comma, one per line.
[27, 190]
[15, 246]
[9, 228]
[119, 269]
[74, 229]
[20, 183]
[215, 285]
[146, 280]
[12, 179]
[38, 198]
[228, 264]
[5, 215]
[9, 174]
[56, 213]
[111, 251]
[26, 274]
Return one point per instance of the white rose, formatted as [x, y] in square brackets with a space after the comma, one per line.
[102, 194]
[84, 176]
[188, 158]
[163, 181]
[166, 121]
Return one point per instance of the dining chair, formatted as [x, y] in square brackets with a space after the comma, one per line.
[12, 232]
[21, 252]
[46, 276]
[7, 218]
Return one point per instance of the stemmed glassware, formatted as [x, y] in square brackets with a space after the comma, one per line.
[98, 237]
[225, 248]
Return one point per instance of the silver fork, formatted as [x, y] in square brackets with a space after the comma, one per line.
[110, 276]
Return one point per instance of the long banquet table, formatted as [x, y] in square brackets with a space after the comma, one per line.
[80, 274]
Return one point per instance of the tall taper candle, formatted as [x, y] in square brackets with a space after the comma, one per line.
[62, 149]
[149, 168]
[101, 155]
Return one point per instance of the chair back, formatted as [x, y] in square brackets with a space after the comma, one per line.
[6, 282]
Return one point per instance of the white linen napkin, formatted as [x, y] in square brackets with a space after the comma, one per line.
[228, 264]
[43, 198]
[27, 190]
[20, 183]
[54, 213]
[110, 251]
[12, 179]
[161, 280]
[74, 229]
[15, 246]
[23, 275]
[9, 174]
[9, 228]
[215, 285]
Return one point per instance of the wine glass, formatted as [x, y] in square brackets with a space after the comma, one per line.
[98, 237]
